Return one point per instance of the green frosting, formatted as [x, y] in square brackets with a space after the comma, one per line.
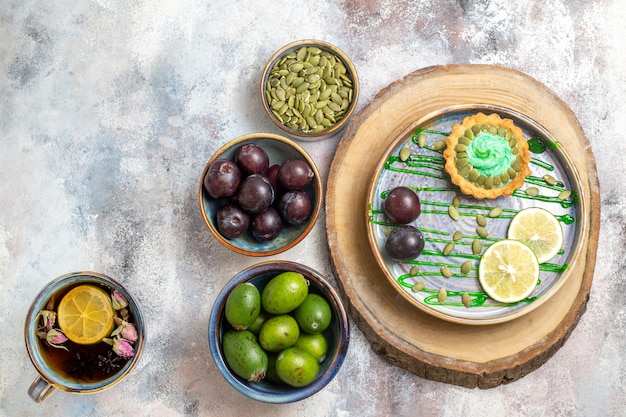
[490, 154]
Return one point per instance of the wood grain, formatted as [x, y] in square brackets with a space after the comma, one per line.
[470, 356]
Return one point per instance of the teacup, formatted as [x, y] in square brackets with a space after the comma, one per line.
[74, 367]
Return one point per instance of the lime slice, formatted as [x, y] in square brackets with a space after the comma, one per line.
[85, 315]
[539, 229]
[508, 271]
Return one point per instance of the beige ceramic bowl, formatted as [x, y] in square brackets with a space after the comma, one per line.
[279, 149]
[291, 81]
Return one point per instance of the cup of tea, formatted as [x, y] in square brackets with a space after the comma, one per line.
[84, 333]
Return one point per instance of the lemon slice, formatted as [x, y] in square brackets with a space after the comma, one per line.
[508, 271]
[539, 229]
[85, 314]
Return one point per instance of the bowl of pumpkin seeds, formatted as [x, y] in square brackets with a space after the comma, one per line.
[309, 89]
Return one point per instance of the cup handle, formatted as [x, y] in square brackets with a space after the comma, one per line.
[40, 389]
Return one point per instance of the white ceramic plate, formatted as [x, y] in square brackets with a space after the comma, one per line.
[424, 173]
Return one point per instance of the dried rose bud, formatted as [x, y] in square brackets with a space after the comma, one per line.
[129, 332]
[118, 301]
[49, 318]
[126, 330]
[56, 338]
[123, 348]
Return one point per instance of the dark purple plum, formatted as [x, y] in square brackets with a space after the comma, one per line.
[252, 159]
[222, 179]
[255, 194]
[232, 221]
[402, 205]
[294, 174]
[295, 207]
[267, 225]
[272, 176]
[404, 243]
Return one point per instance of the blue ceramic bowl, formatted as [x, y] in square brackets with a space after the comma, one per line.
[279, 149]
[337, 333]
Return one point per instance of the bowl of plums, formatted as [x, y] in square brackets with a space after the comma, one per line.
[260, 194]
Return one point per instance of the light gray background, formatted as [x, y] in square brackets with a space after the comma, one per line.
[110, 109]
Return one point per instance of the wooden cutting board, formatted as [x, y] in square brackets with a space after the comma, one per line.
[465, 355]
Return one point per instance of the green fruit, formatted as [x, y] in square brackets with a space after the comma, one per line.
[278, 333]
[296, 367]
[244, 355]
[242, 305]
[314, 314]
[315, 344]
[258, 323]
[284, 293]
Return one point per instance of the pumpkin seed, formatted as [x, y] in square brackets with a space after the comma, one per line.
[466, 267]
[549, 179]
[445, 271]
[405, 152]
[480, 219]
[442, 295]
[466, 300]
[459, 147]
[488, 183]
[480, 181]
[447, 250]
[564, 195]
[512, 173]
[301, 54]
[456, 201]
[415, 269]
[453, 213]
[439, 145]
[477, 247]
[460, 163]
[482, 232]
[421, 140]
[457, 235]
[495, 212]
[505, 178]
[469, 134]
[532, 191]
[418, 286]
[464, 141]
[464, 172]
[473, 175]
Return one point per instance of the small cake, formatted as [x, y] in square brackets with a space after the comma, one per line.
[487, 156]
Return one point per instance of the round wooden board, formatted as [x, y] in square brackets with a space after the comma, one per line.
[470, 356]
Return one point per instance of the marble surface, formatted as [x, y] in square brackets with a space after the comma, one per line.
[110, 109]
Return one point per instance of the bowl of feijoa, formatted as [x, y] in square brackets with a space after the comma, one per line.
[278, 332]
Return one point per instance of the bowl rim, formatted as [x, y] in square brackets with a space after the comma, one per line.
[334, 129]
[293, 394]
[317, 185]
